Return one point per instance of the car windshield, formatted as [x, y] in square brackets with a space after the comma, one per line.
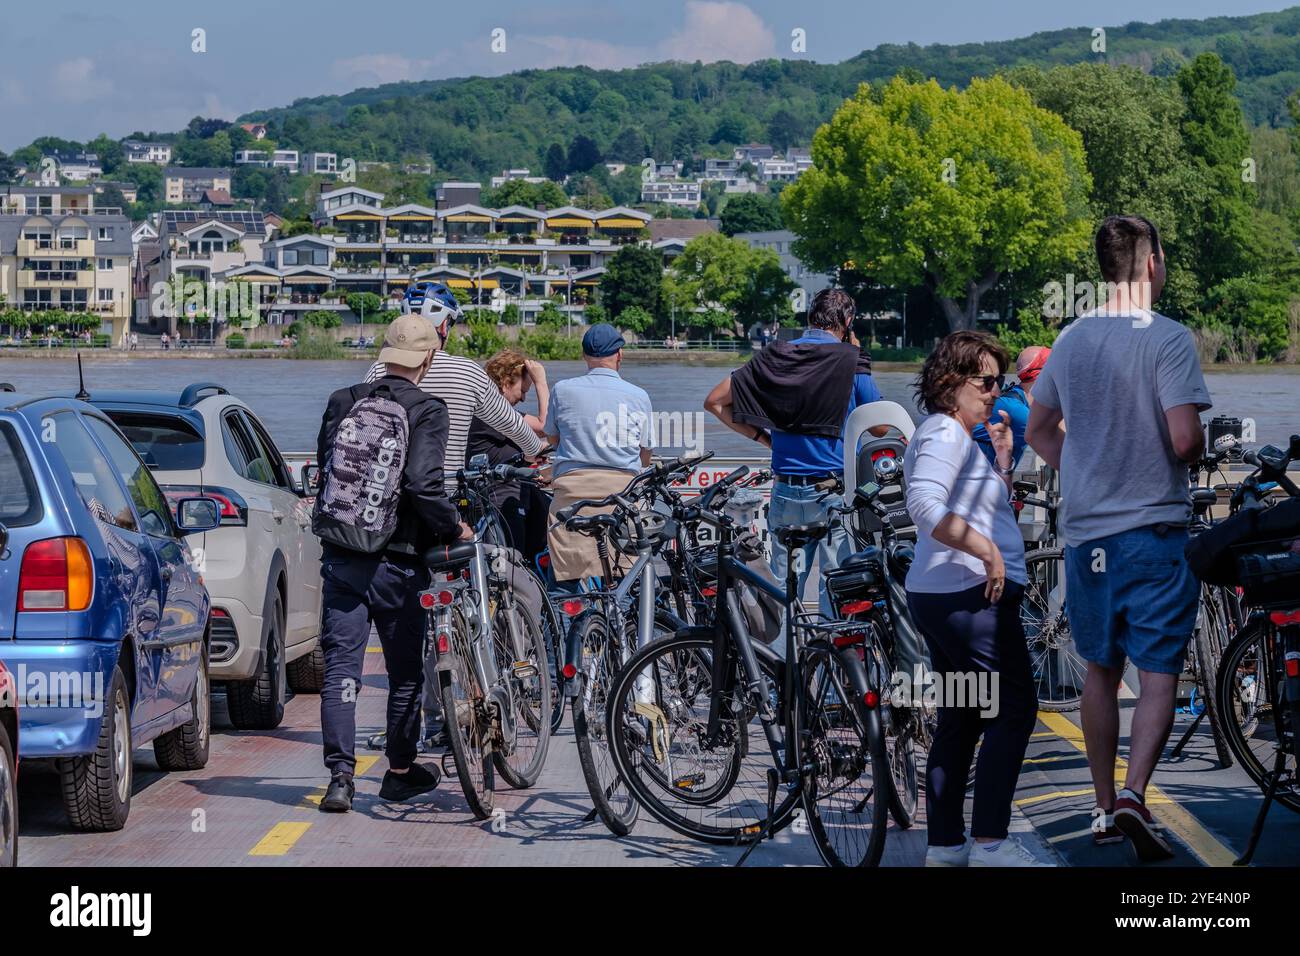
[165, 442]
[20, 502]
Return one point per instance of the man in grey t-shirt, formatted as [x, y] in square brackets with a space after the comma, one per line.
[1127, 383]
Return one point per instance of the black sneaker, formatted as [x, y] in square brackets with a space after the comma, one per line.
[338, 798]
[400, 787]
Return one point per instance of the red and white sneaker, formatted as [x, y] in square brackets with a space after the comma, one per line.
[1134, 820]
[1104, 831]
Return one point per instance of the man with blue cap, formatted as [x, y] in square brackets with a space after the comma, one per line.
[602, 429]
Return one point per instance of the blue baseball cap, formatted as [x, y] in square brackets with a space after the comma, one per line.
[602, 340]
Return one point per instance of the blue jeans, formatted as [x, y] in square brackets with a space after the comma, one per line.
[799, 504]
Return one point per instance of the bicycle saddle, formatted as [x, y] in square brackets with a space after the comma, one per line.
[445, 555]
[1203, 498]
[797, 535]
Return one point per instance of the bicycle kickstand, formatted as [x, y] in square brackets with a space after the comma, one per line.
[1187, 735]
[773, 783]
[1258, 829]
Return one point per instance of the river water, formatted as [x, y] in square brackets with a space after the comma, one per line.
[289, 396]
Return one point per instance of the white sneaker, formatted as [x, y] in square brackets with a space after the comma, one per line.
[1010, 852]
[948, 855]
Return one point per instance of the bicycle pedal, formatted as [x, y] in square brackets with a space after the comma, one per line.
[524, 669]
[689, 782]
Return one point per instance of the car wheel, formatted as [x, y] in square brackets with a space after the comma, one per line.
[97, 786]
[186, 747]
[307, 673]
[8, 802]
[258, 704]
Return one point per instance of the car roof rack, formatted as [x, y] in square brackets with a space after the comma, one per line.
[190, 397]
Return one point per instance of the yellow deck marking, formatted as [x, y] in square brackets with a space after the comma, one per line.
[313, 799]
[1055, 795]
[280, 839]
[1055, 759]
[1164, 808]
[1042, 733]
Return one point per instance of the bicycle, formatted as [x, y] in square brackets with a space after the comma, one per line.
[680, 714]
[603, 630]
[1258, 681]
[1218, 617]
[491, 662]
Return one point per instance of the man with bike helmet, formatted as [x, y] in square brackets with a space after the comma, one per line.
[462, 385]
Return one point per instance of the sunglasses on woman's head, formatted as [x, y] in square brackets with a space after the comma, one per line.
[986, 382]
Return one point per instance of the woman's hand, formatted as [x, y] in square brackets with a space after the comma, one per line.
[1002, 439]
[466, 532]
[536, 371]
[996, 574]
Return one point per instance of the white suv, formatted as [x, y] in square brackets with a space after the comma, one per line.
[262, 566]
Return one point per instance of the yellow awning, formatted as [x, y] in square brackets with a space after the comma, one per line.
[587, 282]
[257, 280]
[623, 223]
[359, 215]
[566, 222]
[469, 283]
[525, 219]
[302, 280]
[412, 217]
[397, 279]
[468, 217]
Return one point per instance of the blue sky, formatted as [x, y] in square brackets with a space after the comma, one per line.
[77, 68]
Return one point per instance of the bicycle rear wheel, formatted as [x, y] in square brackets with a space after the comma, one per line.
[602, 652]
[1058, 669]
[709, 789]
[847, 794]
[468, 730]
[1248, 697]
[528, 680]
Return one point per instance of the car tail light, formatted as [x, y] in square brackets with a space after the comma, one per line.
[220, 612]
[56, 575]
[234, 510]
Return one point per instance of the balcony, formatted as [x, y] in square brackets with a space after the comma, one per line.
[55, 279]
[46, 248]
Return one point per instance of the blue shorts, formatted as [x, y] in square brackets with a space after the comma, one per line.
[1132, 595]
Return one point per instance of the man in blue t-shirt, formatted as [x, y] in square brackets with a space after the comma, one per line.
[806, 464]
[1015, 402]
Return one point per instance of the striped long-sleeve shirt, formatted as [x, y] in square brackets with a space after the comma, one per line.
[469, 394]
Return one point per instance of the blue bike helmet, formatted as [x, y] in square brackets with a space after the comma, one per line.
[433, 300]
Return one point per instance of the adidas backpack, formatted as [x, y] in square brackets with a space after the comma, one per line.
[361, 487]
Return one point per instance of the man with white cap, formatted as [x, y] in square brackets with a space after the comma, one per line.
[382, 503]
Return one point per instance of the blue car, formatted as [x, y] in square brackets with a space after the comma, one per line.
[103, 618]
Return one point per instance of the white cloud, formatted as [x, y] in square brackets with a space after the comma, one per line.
[375, 69]
[560, 50]
[77, 81]
[720, 31]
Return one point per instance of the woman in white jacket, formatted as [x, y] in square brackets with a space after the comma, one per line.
[964, 589]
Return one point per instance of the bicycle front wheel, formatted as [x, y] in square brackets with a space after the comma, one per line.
[526, 674]
[468, 729]
[1249, 694]
[1209, 641]
[1058, 669]
[707, 787]
[602, 653]
[848, 790]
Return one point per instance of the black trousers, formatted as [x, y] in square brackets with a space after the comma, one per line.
[356, 591]
[968, 635]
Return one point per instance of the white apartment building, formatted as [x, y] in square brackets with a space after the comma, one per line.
[673, 193]
[320, 164]
[187, 184]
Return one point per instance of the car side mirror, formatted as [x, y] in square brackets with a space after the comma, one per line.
[309, 480]
[194, 515]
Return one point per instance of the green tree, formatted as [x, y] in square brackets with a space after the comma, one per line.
[364, 305]
[750, 212]
[632, 278]
[550, 316]
[635, 319]
[519, 192]
[1215, 133]
[555, 165]
[583, 154]
[721, 274]
[953, 188]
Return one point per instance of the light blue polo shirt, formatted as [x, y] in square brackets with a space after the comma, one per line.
[601, 422]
